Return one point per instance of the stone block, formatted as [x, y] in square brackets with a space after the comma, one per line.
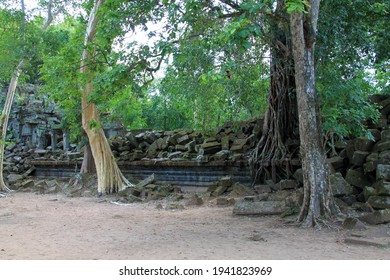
[382, 145]
[364, 144]
[223, 184]
[376, 217]
[337, 162]
[222, 155]
[358, 179]
[149, 180]
[339, 185]
[359, 157]
[285, 185]
[353, 224]
[262, 188]
[184, 140]
[368, 192]
[240, 190]
[225, 143]
[385, 157]
[209, 148]
[239, 145]
[370, 166]
[379, 202]
[383, 172]
[246, 207]
[28, 184]
[372, 157]
[181, 148]
[382, 188]
[12, 178]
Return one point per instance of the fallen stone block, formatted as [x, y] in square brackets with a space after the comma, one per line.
[357, 178]
[364, 144]
[337, 162]
[239, 190]
[370, 166]
[263, 188]
[209, 148]
[353, 224]
[379, 202]
[285, 185]
[383, 172]
[382, 188]
[246, 207]
[359, 157]
[382, 145]
[339, 185]
[385, 157]
[12, 178]
[149, 180]
[368, 192]
[376, 217]
[366, 242]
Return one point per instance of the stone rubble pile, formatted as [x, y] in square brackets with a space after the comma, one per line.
[230, 143]
[18, 159]
[366, 166]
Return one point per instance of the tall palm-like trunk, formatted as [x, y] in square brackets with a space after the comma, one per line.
[110, 178]
[318, 201]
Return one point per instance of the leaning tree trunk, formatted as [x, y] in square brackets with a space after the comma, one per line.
[281, 116]
[12, 88]
[318, 202]
[4, 119]
[110, 178]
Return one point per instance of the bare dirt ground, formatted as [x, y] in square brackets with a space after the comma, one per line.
[58, 227]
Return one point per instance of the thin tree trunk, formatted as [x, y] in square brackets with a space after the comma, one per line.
[318, 202]
[12, 87]
[5, 117]
[110, 178]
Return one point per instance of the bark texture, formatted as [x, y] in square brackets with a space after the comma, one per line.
[281, 120]
[110, 178]
[88, 164]
[318, 204]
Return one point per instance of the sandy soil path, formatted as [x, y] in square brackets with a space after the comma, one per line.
[58, 227]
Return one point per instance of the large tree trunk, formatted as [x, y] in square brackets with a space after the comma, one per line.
[281, 116]
[318, 202]
[5, 117]
[110, 178]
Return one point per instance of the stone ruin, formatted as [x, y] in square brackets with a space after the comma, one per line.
[360, 176]
[34, 127]
[34, 121]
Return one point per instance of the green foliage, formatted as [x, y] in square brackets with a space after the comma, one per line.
[60, 72]
[345, 104]
[94, 125]
[297, 6]
[347, 56]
